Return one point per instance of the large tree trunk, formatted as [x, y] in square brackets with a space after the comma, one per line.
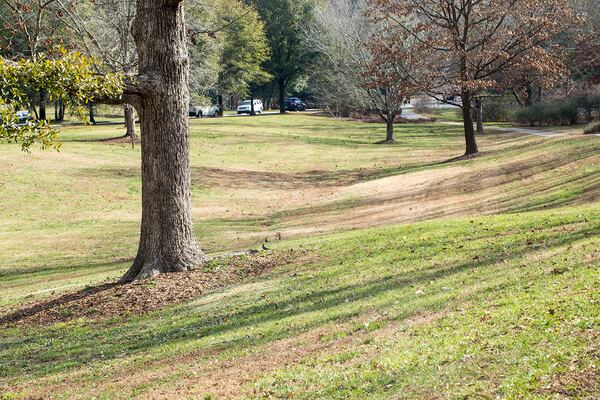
[479, 114]
[467, 109]
[167, 240]
[281, 84]
[129, 112]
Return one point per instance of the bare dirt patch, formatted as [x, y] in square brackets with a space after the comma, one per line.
[111, 299]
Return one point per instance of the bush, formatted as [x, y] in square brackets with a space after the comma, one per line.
[559, 112]
[589, 106]
[593, 128]
[500, 109]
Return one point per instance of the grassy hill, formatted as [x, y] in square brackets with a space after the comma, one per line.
[401, 273]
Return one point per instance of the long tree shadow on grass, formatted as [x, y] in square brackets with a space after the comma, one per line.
[188, 323]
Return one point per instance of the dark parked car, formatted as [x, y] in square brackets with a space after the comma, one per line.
[294, 104]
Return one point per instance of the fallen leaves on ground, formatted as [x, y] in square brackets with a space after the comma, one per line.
[111, 299]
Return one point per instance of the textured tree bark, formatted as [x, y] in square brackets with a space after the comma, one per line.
[167, 240]
[467, 109]
[129, 121]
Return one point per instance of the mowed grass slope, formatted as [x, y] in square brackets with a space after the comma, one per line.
[458, 305]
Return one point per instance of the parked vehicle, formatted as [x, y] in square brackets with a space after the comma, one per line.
[294, 104]
[245, 107]
[23, 117]
[203, 111]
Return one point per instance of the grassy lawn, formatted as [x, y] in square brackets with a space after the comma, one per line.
[444, 114]
[417, 276]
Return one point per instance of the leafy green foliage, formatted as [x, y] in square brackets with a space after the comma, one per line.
[69, 77]
[245, 48]
[284, 22]
[228, 49]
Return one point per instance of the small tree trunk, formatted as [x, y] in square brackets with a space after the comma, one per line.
[220, 105]
[129, 112]
[92, 118]
[42, 105]
[529, 94]
[252, 112]
[389, 121]
[61, 111]
[470, 142]
[281, 84]
[479, 114]
[56, 111]
[167, 239]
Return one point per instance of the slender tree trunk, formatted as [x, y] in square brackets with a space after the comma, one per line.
[92, 117]
[470, 142]
[252, 111]
[389, 121]
[167, 239]
[129, 112]
[42, 105]
[479, 114]
[61, 111]
[281, 84]
[529, 94]
[220, 105]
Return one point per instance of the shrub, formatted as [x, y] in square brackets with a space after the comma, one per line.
[500, 109]
[593, 128]
[558, 112]
[589, 106]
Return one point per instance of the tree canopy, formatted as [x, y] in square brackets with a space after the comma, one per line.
[70, 76]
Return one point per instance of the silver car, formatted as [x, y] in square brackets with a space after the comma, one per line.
[203, 111]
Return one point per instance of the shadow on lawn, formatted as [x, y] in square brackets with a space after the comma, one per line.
[189, 322]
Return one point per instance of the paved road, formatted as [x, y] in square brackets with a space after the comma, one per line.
[409, 113]
[535, 132]
[276, 112]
